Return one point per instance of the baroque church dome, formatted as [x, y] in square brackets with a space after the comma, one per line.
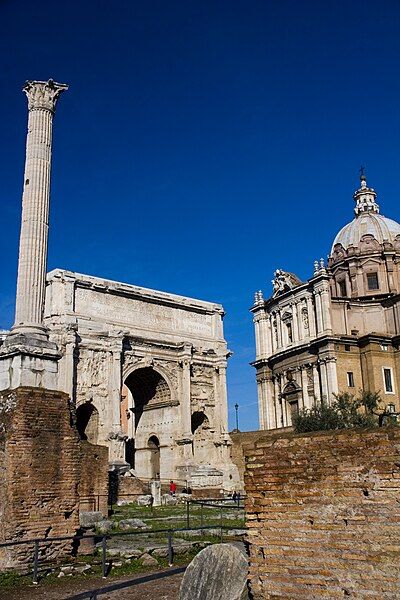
[367, 221]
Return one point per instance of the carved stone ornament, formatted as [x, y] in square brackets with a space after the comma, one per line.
[117, 435]
[283, 282]
[304, 316]
[43, 94]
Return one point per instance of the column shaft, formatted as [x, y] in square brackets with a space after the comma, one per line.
[32, 261]
[186, 415]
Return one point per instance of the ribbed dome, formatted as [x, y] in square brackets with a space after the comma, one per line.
[372, 223]
[367, 221]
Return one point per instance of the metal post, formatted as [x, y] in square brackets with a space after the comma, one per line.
[35, 562]
[221, 522]
[170, 550]
[103, 556]
[187, 514]
[201, 519]
[237, 416]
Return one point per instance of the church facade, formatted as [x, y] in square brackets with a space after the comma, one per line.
[340, 330]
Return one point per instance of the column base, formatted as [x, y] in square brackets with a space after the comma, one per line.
[32, 336]
[28, 365]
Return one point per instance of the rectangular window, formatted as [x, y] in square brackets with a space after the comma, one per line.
[342, 288]
[350, 379]
[387, 377]
[372, 279]
[289, 332]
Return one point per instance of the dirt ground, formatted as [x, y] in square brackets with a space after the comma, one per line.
[160, 585]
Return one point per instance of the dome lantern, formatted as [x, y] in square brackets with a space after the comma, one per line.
[365, 197]
[367, 221]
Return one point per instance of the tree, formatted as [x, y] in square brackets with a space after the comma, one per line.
[345, 412]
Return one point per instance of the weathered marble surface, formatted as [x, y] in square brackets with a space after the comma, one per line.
[119, 340]
[217, 572]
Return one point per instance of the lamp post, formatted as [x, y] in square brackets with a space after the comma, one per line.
[237, 416]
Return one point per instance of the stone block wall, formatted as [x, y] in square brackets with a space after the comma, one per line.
[43, 470]
[323, 514]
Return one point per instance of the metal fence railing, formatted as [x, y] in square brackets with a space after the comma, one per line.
[102, 540]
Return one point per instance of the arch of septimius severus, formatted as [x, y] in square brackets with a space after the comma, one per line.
[146, 369]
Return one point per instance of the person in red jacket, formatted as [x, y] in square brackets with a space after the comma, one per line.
[172, 488]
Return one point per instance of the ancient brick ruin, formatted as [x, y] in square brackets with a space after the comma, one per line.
[323, 514]
[45, 470]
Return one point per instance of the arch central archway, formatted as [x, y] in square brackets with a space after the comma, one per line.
[148, 388]
[150, 401]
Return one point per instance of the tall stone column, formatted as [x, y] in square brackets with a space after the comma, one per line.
[116, 436]
[186, 413]
[311, 317]
[295, 331]
[304, 386]
[223, 398]
[317, 392]
[32, 263]
[318, 311]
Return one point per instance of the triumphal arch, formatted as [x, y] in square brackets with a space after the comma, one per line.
[147, 371]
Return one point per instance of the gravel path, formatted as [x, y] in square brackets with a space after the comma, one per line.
[160, 585]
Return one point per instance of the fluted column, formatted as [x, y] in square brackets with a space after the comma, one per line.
[295, 331]
[279, 329]
[311, 317]
[319, 318]
[304, 386]
[186, 415]
[317, 393]
[32, 263]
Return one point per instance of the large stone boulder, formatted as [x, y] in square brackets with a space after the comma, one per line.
[218, 571]
[168, 500]
[105, 526]
[132, 524]
[145, 500]
[90, 518]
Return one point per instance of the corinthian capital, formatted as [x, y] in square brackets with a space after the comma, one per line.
[43, 94]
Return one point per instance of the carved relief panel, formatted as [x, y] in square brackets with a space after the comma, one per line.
[202, 386]
[92, 374]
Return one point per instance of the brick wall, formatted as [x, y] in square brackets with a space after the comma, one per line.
[41, 460]
[323, 513]
[129, 488]
[244, 438]
[93, 485]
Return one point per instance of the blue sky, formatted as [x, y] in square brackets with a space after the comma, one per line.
[202, 144]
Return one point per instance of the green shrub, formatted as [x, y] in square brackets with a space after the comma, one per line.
[345, 412]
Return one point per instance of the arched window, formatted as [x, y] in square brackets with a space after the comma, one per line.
[87, 422]
[154, 445]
